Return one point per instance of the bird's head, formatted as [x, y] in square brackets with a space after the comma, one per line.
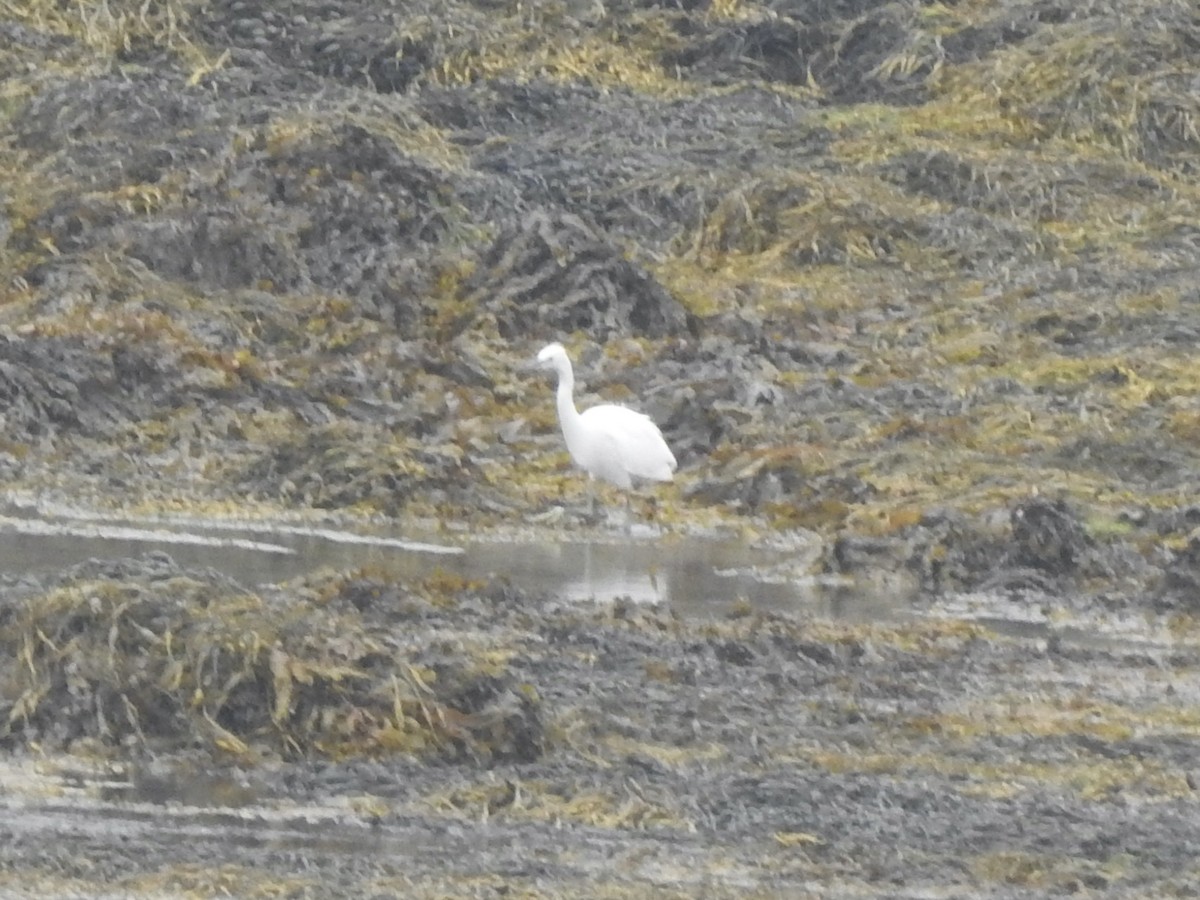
[553, 356]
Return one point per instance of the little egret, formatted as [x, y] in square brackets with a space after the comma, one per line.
[610, 442]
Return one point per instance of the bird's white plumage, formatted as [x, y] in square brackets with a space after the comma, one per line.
[610, 442]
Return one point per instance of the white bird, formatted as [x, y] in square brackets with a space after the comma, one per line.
[610, 442]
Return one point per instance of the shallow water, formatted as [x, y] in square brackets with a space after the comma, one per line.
[692, 574]
[695, 575]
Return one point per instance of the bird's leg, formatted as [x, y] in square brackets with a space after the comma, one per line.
[628, 515]
[587, 571]
[591, 516]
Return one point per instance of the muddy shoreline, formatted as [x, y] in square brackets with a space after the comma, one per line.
[590, 749]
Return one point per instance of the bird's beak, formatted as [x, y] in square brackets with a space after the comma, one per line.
[530, 366]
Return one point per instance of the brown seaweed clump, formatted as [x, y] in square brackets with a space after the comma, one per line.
[150, 656]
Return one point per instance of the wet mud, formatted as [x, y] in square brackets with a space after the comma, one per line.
[909, 288]
[472, 739]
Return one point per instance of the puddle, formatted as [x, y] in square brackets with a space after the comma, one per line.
[196, 789]
[695, 575]
[70, 799]
[1121, 632]
[174, 832]
[692, 574]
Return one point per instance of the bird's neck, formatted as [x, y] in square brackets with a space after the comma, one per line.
[567, 414]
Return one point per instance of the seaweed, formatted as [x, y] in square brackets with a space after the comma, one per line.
[147, 656]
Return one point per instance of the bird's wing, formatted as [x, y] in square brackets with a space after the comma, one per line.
[639, 443]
